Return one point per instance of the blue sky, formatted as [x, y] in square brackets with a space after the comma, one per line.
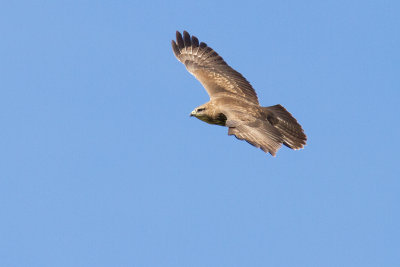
[100, 164]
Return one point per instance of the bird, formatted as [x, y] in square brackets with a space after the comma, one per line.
[233, 101]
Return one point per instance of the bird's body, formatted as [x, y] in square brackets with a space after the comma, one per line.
[233, 102]
[213, 112]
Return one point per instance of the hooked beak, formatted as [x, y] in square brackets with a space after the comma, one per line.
[192, 114]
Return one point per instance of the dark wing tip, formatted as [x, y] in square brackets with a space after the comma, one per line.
[186, 39]
[175, 48]
[179, 40]
[203, 45]
[195, 41]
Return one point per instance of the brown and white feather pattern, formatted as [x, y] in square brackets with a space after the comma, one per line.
[259, 134]
[217, 77]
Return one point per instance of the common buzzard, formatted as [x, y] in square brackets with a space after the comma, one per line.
[233, 101]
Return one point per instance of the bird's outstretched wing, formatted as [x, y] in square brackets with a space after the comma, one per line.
[269, 131]
[258, 133]
[217, 77]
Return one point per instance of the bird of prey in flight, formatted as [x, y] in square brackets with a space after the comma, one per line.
[233, 101]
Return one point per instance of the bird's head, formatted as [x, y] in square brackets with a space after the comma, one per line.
[198, 112]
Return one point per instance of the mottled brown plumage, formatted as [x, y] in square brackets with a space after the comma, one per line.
[233, 101]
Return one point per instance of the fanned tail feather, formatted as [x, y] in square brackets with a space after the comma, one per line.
[291, 131]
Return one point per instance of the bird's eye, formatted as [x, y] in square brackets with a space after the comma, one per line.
[200, 109]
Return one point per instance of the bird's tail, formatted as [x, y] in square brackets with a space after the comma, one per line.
[291, 131]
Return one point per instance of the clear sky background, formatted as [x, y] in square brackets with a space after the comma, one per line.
[100, 164]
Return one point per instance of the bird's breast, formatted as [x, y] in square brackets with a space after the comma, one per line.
[218, 119]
